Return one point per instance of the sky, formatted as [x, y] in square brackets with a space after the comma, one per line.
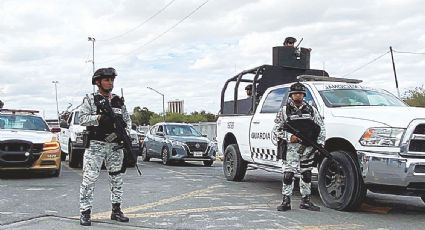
[187, 49]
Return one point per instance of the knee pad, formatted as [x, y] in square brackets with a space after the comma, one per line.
[306, 176]
[288, 177]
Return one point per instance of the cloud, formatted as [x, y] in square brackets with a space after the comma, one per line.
[46, 41]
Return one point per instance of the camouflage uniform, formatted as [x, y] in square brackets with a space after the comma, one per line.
[298, 155]
[98, 152]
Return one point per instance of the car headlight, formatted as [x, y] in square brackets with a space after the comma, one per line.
[382, 137]
[52, 145]
[174, 142]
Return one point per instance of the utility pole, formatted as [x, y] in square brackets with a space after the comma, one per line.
[92, 60]
[395, 74]
[163, 102]
[57, 105]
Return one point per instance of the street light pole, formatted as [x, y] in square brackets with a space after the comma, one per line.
[56, 93]
[92, 61]
[163, 101]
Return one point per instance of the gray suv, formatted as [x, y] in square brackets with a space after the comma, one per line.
[177, 142]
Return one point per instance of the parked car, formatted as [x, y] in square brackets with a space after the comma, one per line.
[27, 143]
[177, 142]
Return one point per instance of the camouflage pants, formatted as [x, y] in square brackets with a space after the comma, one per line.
[92, 163]
[297, 157]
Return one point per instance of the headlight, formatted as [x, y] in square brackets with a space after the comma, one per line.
[53, 145]
[174, 142]
[382, 137]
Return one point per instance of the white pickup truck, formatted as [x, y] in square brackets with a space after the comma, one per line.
[71, 139]
[377, 141]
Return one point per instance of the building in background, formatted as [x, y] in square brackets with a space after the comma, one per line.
[176, 106]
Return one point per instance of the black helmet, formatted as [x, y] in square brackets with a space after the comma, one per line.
[291, 40]
[103, 73]
[297, 88]
[248, 87]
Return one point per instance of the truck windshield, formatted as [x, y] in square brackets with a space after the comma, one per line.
[181, 130]
[358, 97]
[9, 121]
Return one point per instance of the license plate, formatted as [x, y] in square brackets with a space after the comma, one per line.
[198, 154]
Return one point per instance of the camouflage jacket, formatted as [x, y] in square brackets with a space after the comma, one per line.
[88, 116]
[281, 118]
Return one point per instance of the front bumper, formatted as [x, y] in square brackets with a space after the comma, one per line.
[46, 161]
[402, 175]
[182, 153]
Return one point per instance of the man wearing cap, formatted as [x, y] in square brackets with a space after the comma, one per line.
[299, 156]
[102, 144]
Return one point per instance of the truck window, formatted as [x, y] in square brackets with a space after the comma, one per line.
[153, 130]
[309, 98]
[77, 118]
[273, 100]
[70, 118]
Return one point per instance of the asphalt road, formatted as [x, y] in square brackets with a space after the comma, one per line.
[189, 196]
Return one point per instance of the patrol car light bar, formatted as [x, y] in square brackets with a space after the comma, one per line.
[324, 78]
[13, 111]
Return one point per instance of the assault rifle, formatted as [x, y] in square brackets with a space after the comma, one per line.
[121, 133]
[289, 128]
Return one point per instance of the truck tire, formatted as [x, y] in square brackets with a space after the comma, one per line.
[145, 156]
[63, 156]
[75, 159]
[340, 183]
[234, 166]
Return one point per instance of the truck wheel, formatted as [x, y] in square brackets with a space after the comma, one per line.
[208, 163]
[145, 156]
[63, 156]
[74, 158]
[164, 156]
[340, 184]
[234, 166]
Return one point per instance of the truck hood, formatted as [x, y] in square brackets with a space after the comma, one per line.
[387, 115]
[32, 136]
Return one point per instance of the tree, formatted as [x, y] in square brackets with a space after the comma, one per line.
[415, 97]
[141, 116]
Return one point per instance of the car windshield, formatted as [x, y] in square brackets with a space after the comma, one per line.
[181, 130]
[22, 122]
[358, 97]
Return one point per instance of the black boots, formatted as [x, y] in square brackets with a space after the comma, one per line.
[85, 218]
[286, 204]
[117, 214]
[307, 204]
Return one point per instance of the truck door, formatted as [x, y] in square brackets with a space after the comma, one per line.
[263, 143]
[64, 136]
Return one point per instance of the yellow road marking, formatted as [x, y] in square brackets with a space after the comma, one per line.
[193, 210]
[369, 208]
[106, 215]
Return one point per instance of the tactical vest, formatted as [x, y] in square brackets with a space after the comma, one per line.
[105, 128]
[302, 119]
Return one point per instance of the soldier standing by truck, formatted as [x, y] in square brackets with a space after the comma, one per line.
[102, 144]
[299, 156]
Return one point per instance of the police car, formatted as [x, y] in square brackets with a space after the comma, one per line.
[27, 143]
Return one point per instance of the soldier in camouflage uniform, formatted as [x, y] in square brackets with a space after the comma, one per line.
[299, 158]
[102, 145]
